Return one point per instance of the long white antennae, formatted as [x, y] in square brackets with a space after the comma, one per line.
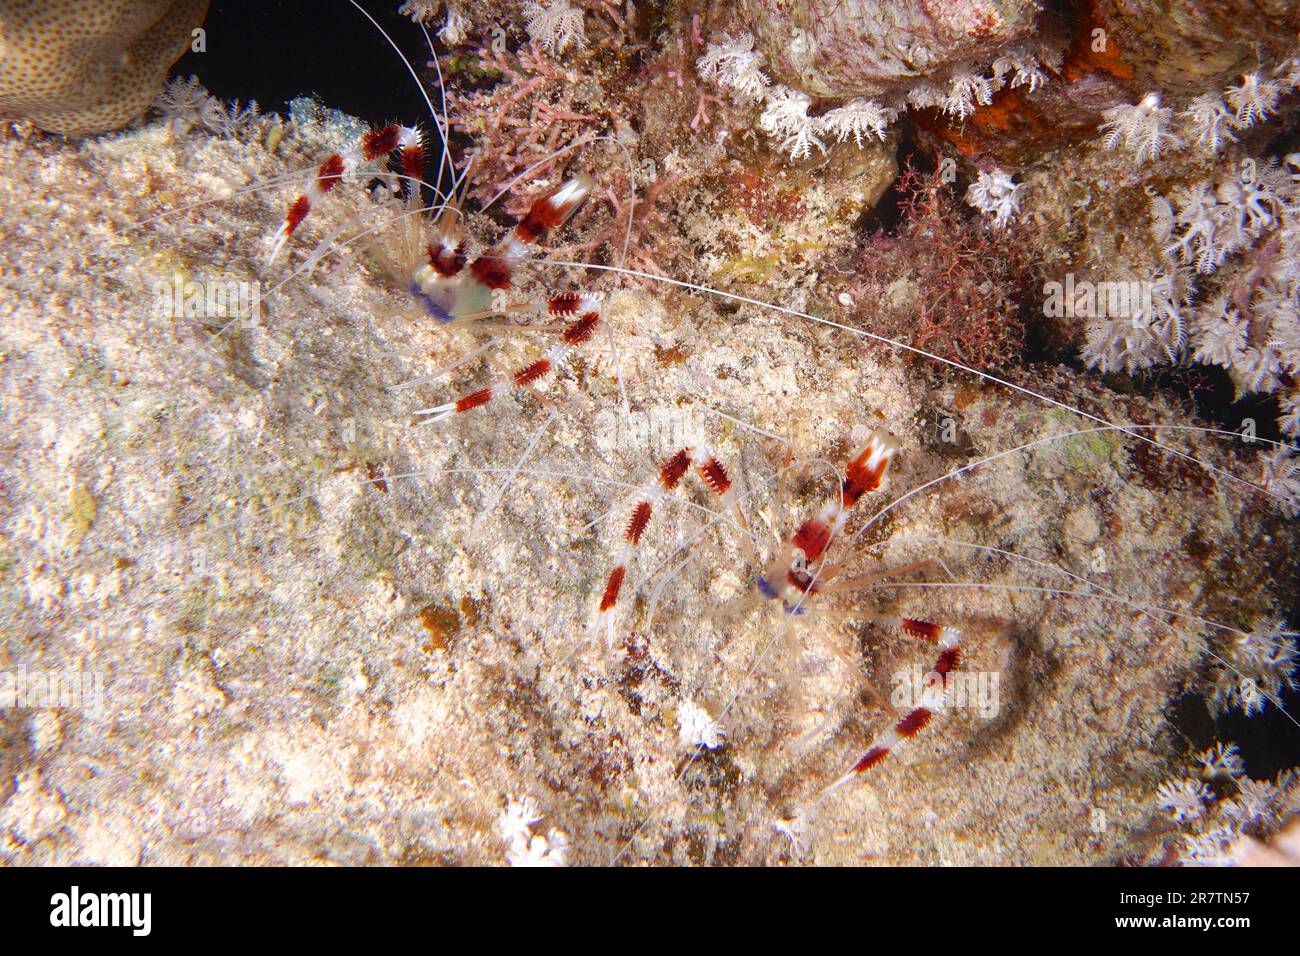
[398, 50]
[445, 162]
[893, 343]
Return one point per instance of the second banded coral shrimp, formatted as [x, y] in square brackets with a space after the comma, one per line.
[801, 568]
[477, 521]
[809, 651]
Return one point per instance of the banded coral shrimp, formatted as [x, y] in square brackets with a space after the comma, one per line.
[811, 388]
[826, 705]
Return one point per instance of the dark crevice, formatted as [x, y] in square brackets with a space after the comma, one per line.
[887, 215]
[1269, 741]
[277, 50]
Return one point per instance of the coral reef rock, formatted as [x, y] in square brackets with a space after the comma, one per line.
[87, 66]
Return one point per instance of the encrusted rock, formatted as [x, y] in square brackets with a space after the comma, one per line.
[77, 67]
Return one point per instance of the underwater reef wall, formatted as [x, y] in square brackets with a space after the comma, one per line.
[329, 634]
[845, 49]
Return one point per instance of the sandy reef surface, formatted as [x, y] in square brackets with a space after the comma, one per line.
[328, 636]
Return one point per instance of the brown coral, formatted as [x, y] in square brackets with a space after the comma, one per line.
[945, 283]
[77, 67]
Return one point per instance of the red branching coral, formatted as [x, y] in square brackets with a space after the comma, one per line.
[513, 109]
[946, 283]
[533, 107]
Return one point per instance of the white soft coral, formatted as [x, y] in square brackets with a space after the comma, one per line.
[1219, 334]
[185, 104]
[967, 91]
[549, 850]
[997, 194]
[1256, 337]
[1154, 332]
[1210, 848]
[1254, 804]
[786, 115]
[734, 65]
[1183, 800]
[1282, 479]
[1290, 420]
[1024, 67]
[1221, 760]
[1212, 224]
[1254, 668]
[1142, 128]
[1252, 201]
[925, 95]
[526, 848]
[555, 26]
[1196, 224]
[861, 119]
[1254, 99]
[518, 818]
[1210, 120]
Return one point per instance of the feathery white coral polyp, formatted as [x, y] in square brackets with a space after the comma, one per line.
[1254, 802]
[1255, 668]
[995, 193]
[734, 65]
[1220, 335]
[185, 103]
[549, 850]
[1154, 332]
[861, 119]
[1221, 760]
[925, 95]
[1196, 218]
[1142, 128]
[555, 26]
[786, 114]
[966, 92]
[698, 729]
[1213, 223]
[1254, 99]
[525, 847]
[1210, 848]
[1183, 799]
[519, 816]
[1282, 478]
[181, 103]
[1024, 67]
[1209, 119]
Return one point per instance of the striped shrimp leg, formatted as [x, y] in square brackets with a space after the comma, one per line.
[374, 145]
[448, 291]
[948, 641]
[789, 576]
[586, 308]
[711, 472]
[549, 211]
